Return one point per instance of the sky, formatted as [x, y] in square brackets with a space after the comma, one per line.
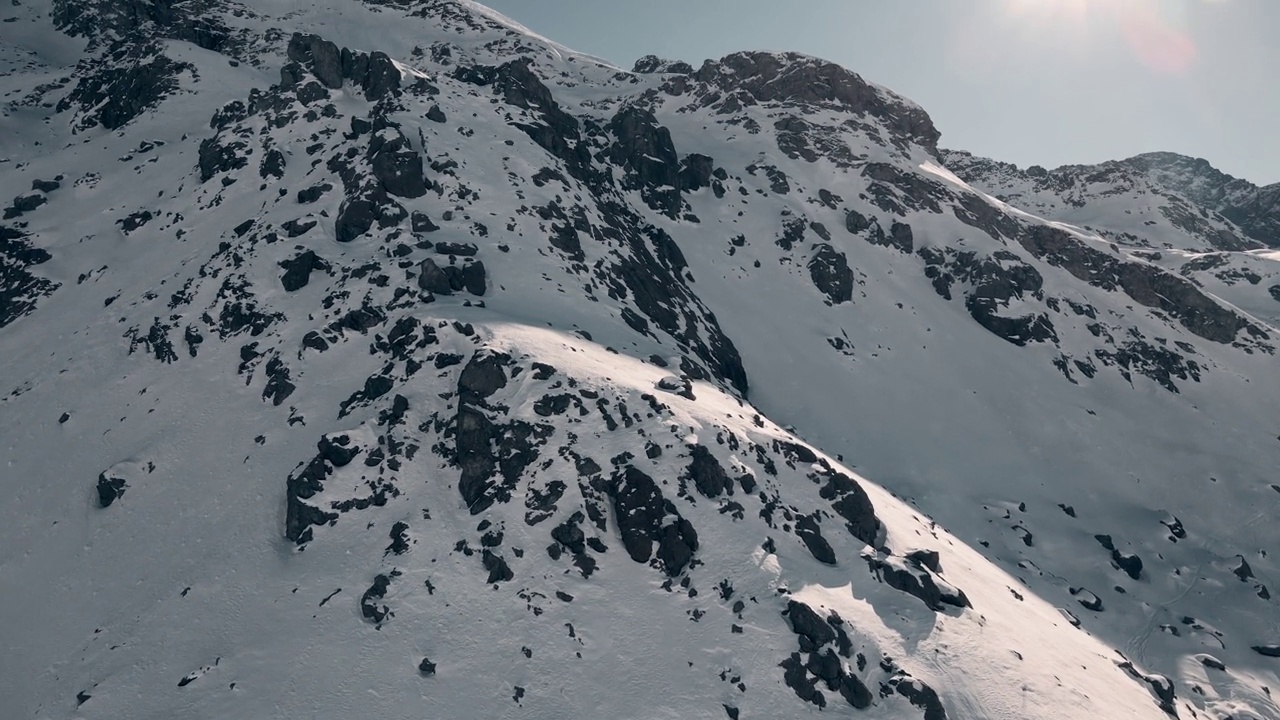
[1046, 82]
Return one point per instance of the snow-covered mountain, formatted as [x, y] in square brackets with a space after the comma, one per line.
[386, 358]
[1158, 200]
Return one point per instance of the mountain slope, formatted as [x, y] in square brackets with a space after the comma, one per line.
[402, 301]
[1157, 200]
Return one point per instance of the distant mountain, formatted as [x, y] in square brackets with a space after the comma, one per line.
[387, 359]
[1166, 200]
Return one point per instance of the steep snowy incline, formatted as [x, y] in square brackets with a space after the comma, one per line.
[384, 357]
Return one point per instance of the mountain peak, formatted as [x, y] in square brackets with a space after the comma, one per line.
[799, 79]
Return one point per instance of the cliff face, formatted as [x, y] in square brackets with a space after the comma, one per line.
[385, 358]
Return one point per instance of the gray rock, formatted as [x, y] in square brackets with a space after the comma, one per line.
[432, 279]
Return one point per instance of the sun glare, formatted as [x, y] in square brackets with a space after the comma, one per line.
[1155, 31]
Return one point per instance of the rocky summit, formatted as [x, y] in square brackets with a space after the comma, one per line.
[382, 358]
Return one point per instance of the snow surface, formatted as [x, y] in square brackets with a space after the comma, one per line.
[186, 577]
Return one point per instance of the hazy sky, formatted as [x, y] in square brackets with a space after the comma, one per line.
[1043, 82]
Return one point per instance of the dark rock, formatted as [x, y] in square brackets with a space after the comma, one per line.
[644, 148]
[552, 404]
[650, 64]
[1089, 600]
[279, 385]
[356, 216]
[1146, 284]
[338, 449]
[272, 164]
[325, 63]
[641, 511]
[473, 278]
[136, 79]
[426, 667]
[853, 504]
[446, 360]
[298, 270]
[419, 222]
[1267, 650]
[215, 157]
[569, 534]
[809, 625]
[695, 172]
[432, 279]
[20, 289]
[1129, 563]
[796, 677]
[110, 488]
[303, 484]
[369, 606]
[795, 79]
[313, 193]
[918, 580]
[1210, 661]
[807, 530]
[134, 220]
[706, 472]
[483, 375]
[926, 559]
[497, 567]
[830, 272]
[383, 77]
[1160, 686]
[27, 203]
[396, 165]
[291, 74]
[294, 228]
[922, 696]
[460, 249]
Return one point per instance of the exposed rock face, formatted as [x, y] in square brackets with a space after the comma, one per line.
[707, 474]
[645, 517]
[374, 73]
[644, 148]
[1145, 284]
[557, 132]
[396, 165]
[830, 272]
[138, 78]
[20, 288]
[791, 78]
[298, 270]
[650, 64]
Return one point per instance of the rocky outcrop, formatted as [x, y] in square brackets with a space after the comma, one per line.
[396, 164]
[133, 79]
[374, 72]
[297, 272]
[830, 272]
[644, 149]
[651, 64]
[795, 79]
[645, 518]
[20, 288]
[557, 132]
